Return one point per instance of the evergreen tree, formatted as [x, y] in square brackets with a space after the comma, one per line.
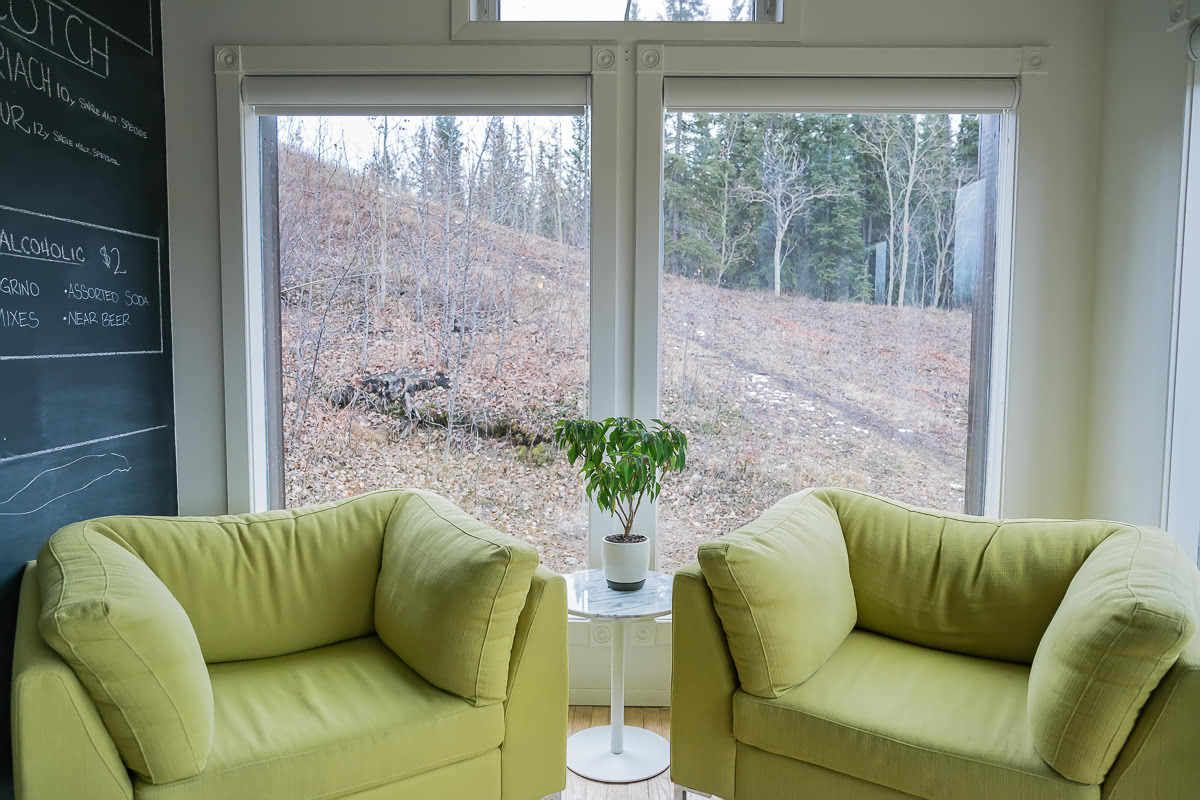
[966, 146]
[833, 235]
[684, 10]
[578, 179]
[447, 155]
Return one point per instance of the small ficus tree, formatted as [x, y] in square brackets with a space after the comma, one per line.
[622, 461]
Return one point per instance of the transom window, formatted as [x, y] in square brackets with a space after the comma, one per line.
[629, 11]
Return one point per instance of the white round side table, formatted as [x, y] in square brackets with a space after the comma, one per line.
[615, 753]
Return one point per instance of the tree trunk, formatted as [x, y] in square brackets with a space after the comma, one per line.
[778, 259]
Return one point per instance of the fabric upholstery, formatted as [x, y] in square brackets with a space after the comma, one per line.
[1128, 613]
[60, 747]
[766, 775]
[990, 659]
[921, 721]
[457, 640]
[1159, 757]
[703, 680]
[966, 584]
[323, 722]
[477, 778]
[303, 697]
[533, 765]
[290, 580]
[132, 647]
[768, 579]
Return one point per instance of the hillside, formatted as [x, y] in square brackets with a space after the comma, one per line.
[776, 394]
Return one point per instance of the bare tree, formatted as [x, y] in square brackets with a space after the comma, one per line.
[785, 190]
[894, 141]
[720, 230]
[385, 173]
[941, 178]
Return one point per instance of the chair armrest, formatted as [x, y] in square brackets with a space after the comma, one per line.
[1159, 757]
[534, 753]
[60, 745]
[703, 680]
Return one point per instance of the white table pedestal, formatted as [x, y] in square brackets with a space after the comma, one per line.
[614, 753]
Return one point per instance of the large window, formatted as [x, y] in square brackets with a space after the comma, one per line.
[808, 287]
[826, 310]
[434, 313]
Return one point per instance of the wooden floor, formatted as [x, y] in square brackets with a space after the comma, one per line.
[657, 788]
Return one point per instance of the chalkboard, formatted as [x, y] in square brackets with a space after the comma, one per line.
[85, 332]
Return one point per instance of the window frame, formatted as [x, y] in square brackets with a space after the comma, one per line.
[481, 20]
[1181, 468]
[811, 95]
[626, 251]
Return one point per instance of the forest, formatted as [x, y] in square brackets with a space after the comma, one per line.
[818, 276]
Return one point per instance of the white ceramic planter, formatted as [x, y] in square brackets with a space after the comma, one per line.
[626, 564]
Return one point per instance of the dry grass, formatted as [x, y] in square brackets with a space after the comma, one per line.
[776, 394]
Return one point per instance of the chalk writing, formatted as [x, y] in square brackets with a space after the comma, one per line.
[110, 283]
[25, 70]
[18, 319]
[78, 291]
[41, 248]
[111, 257]
[103, 319]
[19, 288]
[60, 30]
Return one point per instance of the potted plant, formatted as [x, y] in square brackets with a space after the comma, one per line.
[622, 463]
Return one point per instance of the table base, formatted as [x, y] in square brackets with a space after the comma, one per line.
[645, 754]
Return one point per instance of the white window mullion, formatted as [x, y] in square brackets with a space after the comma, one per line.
[611, 328]
[648, 258]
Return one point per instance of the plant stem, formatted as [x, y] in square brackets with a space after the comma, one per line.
[633, 513]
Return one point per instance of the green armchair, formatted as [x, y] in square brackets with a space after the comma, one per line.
[847, 646]
[387, 646]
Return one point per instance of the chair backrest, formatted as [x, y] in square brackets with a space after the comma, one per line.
[971, 585]
[262, 585]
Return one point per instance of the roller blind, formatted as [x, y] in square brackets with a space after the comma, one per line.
[835, 95]
[396, 95]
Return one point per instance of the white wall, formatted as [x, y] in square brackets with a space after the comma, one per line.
[1048, 412]
[1145, 90]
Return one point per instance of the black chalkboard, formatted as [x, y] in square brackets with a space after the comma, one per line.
[85, 333]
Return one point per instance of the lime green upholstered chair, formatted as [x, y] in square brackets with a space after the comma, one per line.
[387, 646]
[846, 646]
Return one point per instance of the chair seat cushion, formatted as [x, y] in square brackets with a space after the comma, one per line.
[328, 722]
[921, 721]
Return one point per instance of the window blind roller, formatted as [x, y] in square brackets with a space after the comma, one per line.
[838, 95]
[409, 95]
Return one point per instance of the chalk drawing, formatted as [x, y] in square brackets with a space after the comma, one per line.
[117, 463]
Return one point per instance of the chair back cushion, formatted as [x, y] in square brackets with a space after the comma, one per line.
[1129, 611]
[449, 595]
[263, 585]
[133, 648]
[971, 585]
[781, 586]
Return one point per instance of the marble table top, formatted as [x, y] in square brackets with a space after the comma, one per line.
[588, 596]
